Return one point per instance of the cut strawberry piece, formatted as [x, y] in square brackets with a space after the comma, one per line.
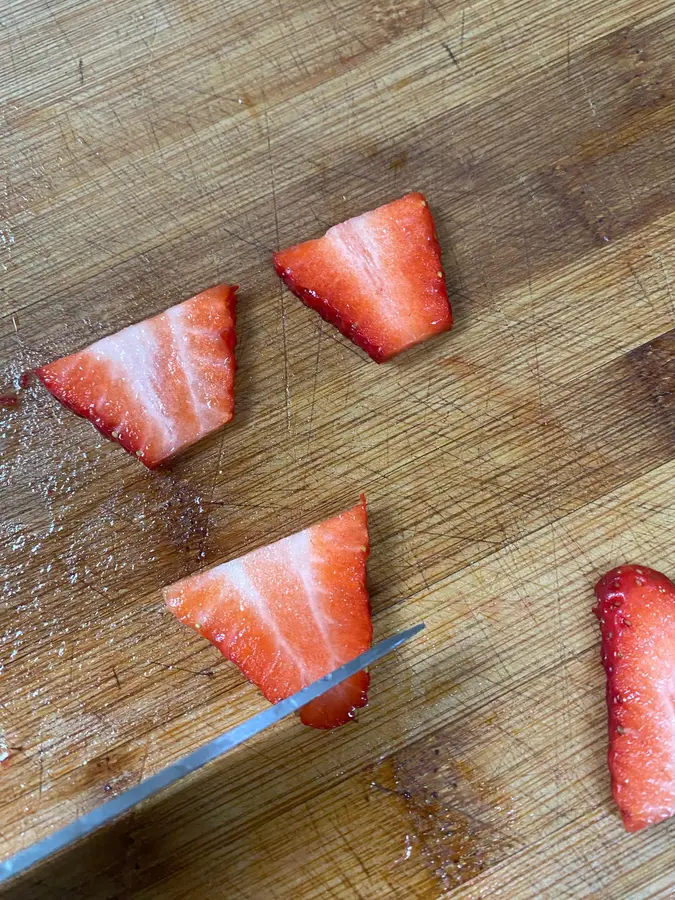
[160, 385]
[291, 612]
[378, 277]
[637, 618]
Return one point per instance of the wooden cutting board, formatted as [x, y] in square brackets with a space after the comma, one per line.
[151, 149]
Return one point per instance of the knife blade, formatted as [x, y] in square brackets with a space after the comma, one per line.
[113, 808]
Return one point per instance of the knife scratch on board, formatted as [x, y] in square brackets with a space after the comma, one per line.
[446, 47]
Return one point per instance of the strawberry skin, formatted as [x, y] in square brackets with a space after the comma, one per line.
[636, 610]
[290, 612]
[377, 277]
[160, 385]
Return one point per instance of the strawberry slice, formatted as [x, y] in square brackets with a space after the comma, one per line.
[377, 277]
[637, 616]
[160, 385]
[291, 612]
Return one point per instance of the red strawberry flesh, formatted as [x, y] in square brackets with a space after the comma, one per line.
[160, 385]
[377, 277]
[290, 612]
[636, 610]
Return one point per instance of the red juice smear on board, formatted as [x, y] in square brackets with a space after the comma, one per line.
[10, 401]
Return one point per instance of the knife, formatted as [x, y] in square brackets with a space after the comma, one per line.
[206, 753]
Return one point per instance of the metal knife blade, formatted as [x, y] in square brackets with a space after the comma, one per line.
[212, 750]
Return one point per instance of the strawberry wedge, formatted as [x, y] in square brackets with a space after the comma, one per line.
[158, 386]
[636, 609]
[377, 277]
[290, 612]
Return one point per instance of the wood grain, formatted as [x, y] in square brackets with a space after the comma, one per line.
[148, 150]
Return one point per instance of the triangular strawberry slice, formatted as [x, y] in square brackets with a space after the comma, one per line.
[637, 615]
[377, 277]
[158, 386]
[290, 612]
